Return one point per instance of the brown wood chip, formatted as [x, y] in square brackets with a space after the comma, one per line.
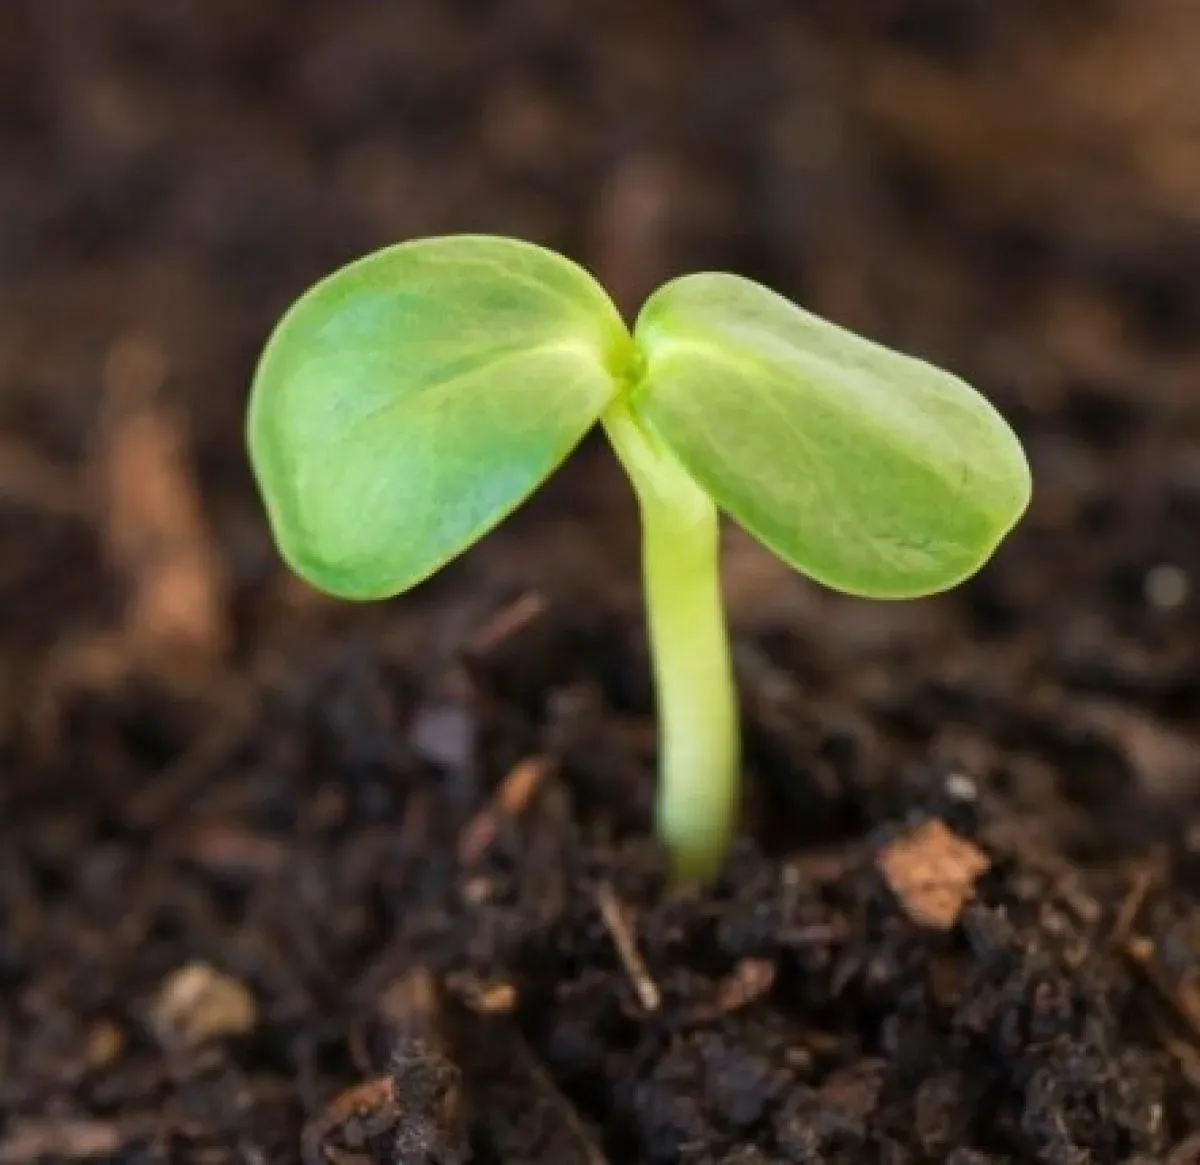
[198, 1003]
[932, 871]
[155, 526]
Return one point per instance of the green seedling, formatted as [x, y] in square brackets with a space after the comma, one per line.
[409, 402]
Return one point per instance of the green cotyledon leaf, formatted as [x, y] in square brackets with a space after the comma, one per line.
[867, 470]
[410, 401]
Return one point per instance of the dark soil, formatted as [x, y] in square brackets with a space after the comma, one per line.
[285, 880]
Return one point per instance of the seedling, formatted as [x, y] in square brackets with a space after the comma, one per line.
[409, 402]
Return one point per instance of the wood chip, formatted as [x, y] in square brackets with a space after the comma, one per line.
[350, 1122]
[512, 795]
[197, 1004]
[230, 851]
[61, 1139]
[750, 980]
[510, 620]
[105, 1043]
[484, 997]
[155, 528]
[932, 871]
[747, 983]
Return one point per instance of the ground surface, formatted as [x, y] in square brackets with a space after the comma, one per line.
[281, 880]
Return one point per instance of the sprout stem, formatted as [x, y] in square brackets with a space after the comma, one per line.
[689, 645]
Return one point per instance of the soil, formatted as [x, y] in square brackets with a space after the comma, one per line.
[286, 880]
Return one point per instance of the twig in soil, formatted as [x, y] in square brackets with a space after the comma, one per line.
[157, 535]
[747, 983]
[1183, 998]
[512, 795]
[1144, 878]
[510, 620]
[619, 927]
[228, 849]
[750, 980]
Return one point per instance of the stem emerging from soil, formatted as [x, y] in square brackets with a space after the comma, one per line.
[689, 645]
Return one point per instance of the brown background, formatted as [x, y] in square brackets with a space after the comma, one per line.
[200, 762]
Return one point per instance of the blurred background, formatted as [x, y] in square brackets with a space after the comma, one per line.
[1010, 189]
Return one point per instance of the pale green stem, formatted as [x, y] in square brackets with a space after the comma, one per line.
[696, 700]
